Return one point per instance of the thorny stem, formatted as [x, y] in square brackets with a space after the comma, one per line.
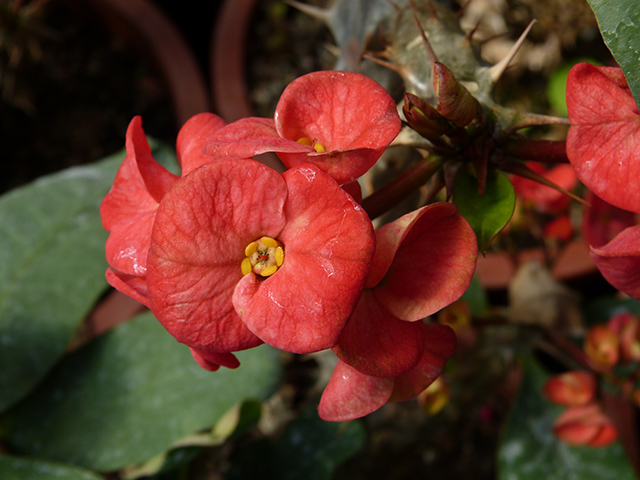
[402, 186]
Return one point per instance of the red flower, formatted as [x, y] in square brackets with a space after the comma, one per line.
[545, 198]
[340, 121]
[585, 425]
[577, 387]
[603, 143]
[241, 254]
[129, 209]
[423, 262]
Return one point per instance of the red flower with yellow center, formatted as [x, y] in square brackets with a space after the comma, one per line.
[241, 254]
[340, 121]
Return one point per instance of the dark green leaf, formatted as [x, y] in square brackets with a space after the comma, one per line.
[51, 270]
[14, 468]
[530, 451]
[619, 22]
[310, 448]
[129, 396]
[488, 212]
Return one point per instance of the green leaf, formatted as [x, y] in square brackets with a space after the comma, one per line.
[51, 270]
[619, 22]
[487, 213]
[310, 448]
[14, 468]
[130, 395]
[530, 451]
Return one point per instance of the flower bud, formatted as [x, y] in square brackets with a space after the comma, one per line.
[455, 102]
[424, 118]
[570, 389]
[435, 397]
[585, 425]
[630, 340]
[602, 346]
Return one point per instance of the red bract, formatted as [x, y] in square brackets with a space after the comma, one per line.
[619, 261]
[423, 262]
[340, 121]
[129, 209]
[603, 143]
[204, 231]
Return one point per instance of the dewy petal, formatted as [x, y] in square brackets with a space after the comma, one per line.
[619, 261]
[328, 243]
[192, 137]
[251, 136]
[127, 247]
[351, 394]
[202, 227]
[376, 343]
[140, 182]
[603, 143]
[353, 117]
[423, 261]
[440, 345]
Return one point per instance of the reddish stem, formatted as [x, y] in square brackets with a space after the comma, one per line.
[401, 187]
[548, 151]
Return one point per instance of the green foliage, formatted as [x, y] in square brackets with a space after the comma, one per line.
[129, 395]
[489, 212]
[310, 448]
[14, 468]
[530, 451]
[51, 270]
[619, 22]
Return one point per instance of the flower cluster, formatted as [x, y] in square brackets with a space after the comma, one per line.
[233, 254]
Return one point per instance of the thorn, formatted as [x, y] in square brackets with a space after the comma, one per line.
[430, 53]
[498, 69]
[463, 8]
[312, 11]
[399, 69]
[469, 35]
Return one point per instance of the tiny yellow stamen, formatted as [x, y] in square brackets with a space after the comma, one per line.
[318, 147]
[251, 249]
[270, 270]
[268, 242]
[262, 257]
[305, 141]
[246, 266]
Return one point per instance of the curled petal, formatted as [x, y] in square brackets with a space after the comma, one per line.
[131, 285]
[201, 230]
[619, 261]
[140, 182]
[251, 136]
[192, 137]
[423, 261]
[328, 244]
[376, 343]
[350, 115]
[439, 346]
[127, 247]
[603, 143]
[351, 394]
[213, 361]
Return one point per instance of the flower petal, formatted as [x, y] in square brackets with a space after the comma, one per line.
[328, 244]
[433, 256]
[351, 394]
[251, 136]
[127, 247]
[376, 343]
[603, 143]
[213, 361]
[140, 182]
[440, 345]
[192, 137]
[201, 230]
[131, 285]
[353, 117]
[619, 261]
[601, 221]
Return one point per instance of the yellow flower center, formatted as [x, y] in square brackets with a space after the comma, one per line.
[317, 146]
[262, 257]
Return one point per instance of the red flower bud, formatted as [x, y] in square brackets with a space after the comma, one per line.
[585, 425]
[424, 118]
[454, 100]
[570, 389]
[602, 346]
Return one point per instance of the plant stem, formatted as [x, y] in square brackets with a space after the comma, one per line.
[401, 187]
[548, 151]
